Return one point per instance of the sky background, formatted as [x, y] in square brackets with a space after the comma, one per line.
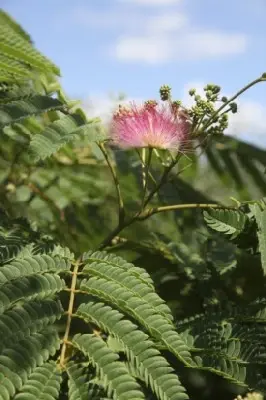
[105, 47]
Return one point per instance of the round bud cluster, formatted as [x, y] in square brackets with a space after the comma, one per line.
[165, 92]
[203, 112]
[220, 123]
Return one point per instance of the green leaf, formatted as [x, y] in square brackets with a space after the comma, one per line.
[229, 222]
[119, 381]
[43, 384]
[17, 323]
[80, 386]
[260, 216]
[155, 369]
[32, 265]
[14, 42]
[20, 109]
[114, 281]
[20, 360]
[61, 132]
[29, 288]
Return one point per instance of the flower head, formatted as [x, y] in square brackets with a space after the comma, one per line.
[163, 126]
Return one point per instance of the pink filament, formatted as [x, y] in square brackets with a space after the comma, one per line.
[150, 125]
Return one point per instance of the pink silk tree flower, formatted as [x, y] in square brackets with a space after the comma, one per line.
[161, 126]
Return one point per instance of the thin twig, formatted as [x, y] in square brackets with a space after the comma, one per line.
[149, 172]
[146, 169]
[121, 210]
[162, 181]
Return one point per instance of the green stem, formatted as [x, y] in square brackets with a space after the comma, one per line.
[146, 174]
[162, 181]
[121, 209]
[149, 172]
[151, 211]
[143, 165]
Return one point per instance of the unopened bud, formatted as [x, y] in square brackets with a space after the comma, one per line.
[165, 92]
[233, 107]
[192, 92]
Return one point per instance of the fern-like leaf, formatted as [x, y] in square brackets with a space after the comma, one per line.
[80, 387]
[20, 360]
[119, 382]
[15, 43]
[229, 341]
[30, 318]
[229, 222]
[42, 384]
[259, 211]
[31, 265]
[113, 283]
[156, 370]
[29, 288]
[61, 132]
[20, 109]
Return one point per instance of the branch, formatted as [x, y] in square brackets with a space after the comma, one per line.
[148, 212]
[140, 216]
[121, 210]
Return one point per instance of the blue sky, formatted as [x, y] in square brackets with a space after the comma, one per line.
[134, 46]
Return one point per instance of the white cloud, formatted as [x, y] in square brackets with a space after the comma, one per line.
[167, 22]
[187, 46]
[103, 106]
[151, 50]
[135, 21]
[151, 2]
[249, 123]
[213, 44]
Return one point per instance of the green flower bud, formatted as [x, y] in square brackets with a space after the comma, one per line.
[216, 89]
[233, 107]
[165, 92]
[224, 117]
[224, 99]
[209, 94]
[192, 92]
[177, 103]
[209, 86]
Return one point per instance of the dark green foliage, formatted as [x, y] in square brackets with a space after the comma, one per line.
[174, 309]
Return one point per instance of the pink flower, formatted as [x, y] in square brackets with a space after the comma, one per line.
[162, 126]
